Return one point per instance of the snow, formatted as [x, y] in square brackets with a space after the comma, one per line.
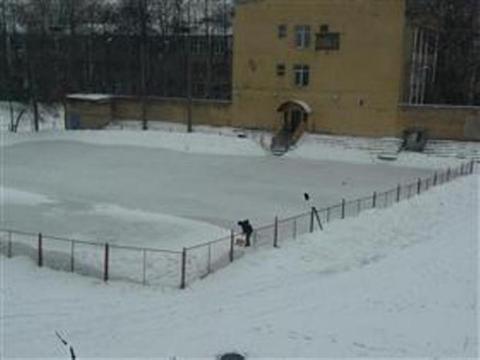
[89, 97]
[399, 282]
[396, 282]
[51, 117]
[13, 196]
[311, 148]
[144, 188]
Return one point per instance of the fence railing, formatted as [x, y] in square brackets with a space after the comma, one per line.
[150, 266]
[206, 258]
[103, 261]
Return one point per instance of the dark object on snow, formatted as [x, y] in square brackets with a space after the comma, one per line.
[414, 139]
[231, 356]
[247, 229]
[65, 343]
[306, 196]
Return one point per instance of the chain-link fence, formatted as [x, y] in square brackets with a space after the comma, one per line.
[103, 261]
[204, 259]
[179, 268]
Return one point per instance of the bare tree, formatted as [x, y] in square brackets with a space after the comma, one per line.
[457, 25]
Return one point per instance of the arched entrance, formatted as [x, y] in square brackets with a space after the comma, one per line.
[294, 117]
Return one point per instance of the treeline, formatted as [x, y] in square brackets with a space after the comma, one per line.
[50, 48]
[456, 43]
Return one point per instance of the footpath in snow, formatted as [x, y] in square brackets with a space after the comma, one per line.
[399, 282]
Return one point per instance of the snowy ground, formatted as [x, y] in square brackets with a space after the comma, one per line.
[51, 116]
[399, 282]
[170, 190]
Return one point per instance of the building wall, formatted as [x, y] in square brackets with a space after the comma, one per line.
[212, 112]
[354, 90]
[443, 122]
[80, 114]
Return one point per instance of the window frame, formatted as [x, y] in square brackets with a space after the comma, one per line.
[328, 41]
[302, 75]
[303, 36]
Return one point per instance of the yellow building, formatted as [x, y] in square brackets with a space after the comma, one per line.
[341, 59]
[326, 66]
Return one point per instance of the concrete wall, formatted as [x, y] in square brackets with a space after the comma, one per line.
[81, 114]
[217, 113]
[355, 90]
[95, 115]
[443, 122]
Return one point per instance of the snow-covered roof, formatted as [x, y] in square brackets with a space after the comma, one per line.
[302, 104]
[89, 97]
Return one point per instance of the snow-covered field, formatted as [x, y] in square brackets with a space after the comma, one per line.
[171, 189]
[400, 282]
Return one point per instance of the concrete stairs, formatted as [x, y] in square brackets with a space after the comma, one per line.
[280, 143]
[381, 146]
[454, 149]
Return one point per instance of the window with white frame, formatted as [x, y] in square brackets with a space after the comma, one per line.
[302, 36]
[302, 75]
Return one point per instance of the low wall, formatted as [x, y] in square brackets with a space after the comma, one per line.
[442, 122]
[81, 114]
[204, 112]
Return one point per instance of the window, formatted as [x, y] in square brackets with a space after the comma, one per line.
[324, 28]
[219, 47]
[327, 40]
[281, 69]
[198, 45]
[302, 75]
[302, 36]
[282, 31]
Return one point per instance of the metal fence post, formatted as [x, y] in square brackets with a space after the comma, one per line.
[448, 174]
[106, 262]
[9, 244]
[40, 250]
[419, 186]
[311, 221]
[209, 265]
[294, 228]
[472, 165]
[343, 208]
[144, 278]
[72, 256]
[399, 189]
[184, 268]
[275, 233]
[374, 200]
[435, 179]
[232, 243]
[328, 214]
